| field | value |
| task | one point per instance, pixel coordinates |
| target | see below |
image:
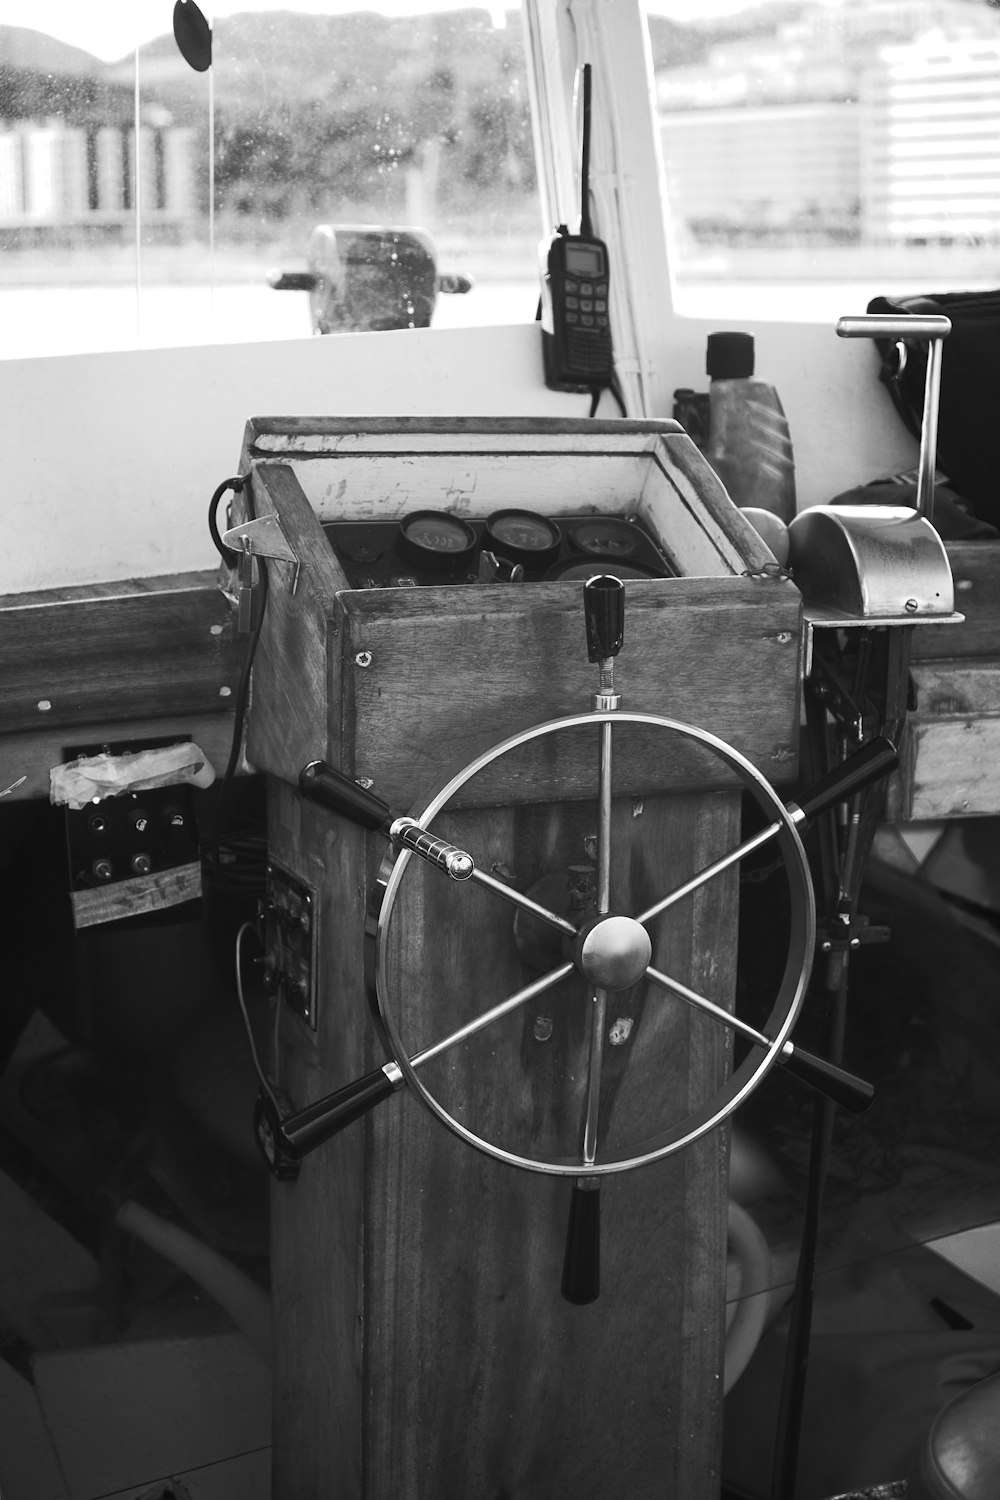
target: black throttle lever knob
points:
(604, 612)
(875, 759)
(338, 793)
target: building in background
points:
(932, 147)
(58, 176)
(866, 122)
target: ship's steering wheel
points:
(611, 951)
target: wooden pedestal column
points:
(423, 1348)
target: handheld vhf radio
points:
(576, 329)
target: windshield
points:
(330, 118)
(821, 153)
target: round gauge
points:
(605, 536)
(585, 570)
(523, 537)
(436, 540)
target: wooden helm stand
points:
(550, 944)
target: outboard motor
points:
(363, 278)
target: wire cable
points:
(244, 872)
(241, 998)
(236, 484)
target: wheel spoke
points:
(604, 824)
(594, 1076)
(701, 1002)
(595, 1059)
(519, 998)
(710, 871)
(507, 893)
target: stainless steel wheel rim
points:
(784, 1013)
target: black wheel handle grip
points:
(295, 1135)
(872, 761)
(338, 793)
(844, 1088)
(604, 615)
(581, 1278)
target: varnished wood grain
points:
(466, 1371)
(115, 652)
(447, 672)
(319, 1234)
(424, 1349)
(296, 673)
(975, 568)
(957, 688)
(951, 753)
(117, 588)
(395, 684)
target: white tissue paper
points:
(91, 778)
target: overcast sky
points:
(110, 28)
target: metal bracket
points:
(859, 715)
(263, 537)
(290, 943)
(838, 936)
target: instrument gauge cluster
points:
(428, 547)
(435, 540)
(523, 537)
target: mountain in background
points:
(41, 77)
(259, 57)
(356, 49)
(23, 48)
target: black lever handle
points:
(581, 1279)
(844, 1088)
(295, 1135)
(877, 758)
(338, 793)
(604, 613)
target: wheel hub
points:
(613, 952)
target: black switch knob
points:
(139, 819)
(604, 611)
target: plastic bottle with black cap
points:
(749, 445)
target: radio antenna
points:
(586, 229)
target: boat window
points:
(820, 154)
(381, 153)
